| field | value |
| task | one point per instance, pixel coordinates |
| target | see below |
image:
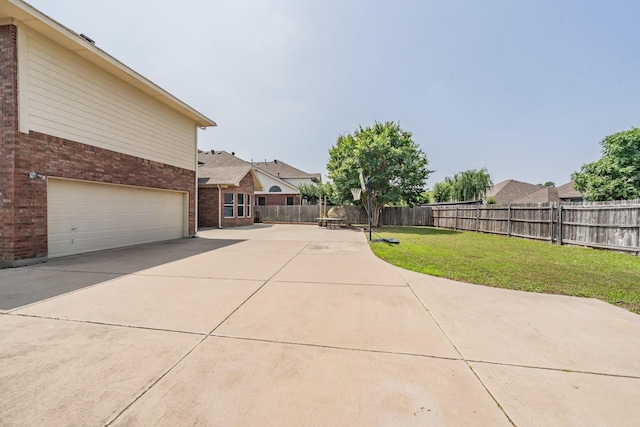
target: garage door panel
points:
(85, 217)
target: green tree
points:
(442, 192)
(386, 154)
(309, 192)
(314, 193)
(471, 184)
(616, 175)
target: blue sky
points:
(524, 88)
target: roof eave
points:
(33, 18)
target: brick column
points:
(8, 130)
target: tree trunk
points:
(376, 209)
(375, 214)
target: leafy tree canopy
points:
(471, 184)
(442, 191)
(314, 193)
(395, 165)
(616, 175)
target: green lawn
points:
(515, 263)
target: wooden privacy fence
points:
(351, 214)
(295, 213)
(419, 215)
(606, 225)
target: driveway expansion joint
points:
(374, 285)
(475, 374)
(258, 290)
(333, 347)
(92, 322)
(546, 368)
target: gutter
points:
(219, 207)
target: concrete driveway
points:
(296, 325)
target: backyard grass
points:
(514, 263)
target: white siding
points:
(71, 98)
(267, 182)
(297, 181)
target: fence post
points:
(638, 253)
(456, 227)
(551, 222)
(509, 221)
(477, 218)
(560, 225)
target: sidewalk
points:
(297, 325)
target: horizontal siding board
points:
(69, 73)
(72, 127)
(100, 111)
(71, 98)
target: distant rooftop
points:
(276, 168)
(213, 158)
(512, 191)
(282, 170)
(509, 191)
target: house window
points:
(289, 200)
(248, 205)
(240, 205)
(275, 189)
(228, 205)
(262, 201)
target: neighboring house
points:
(280, 182)
(543, 195)
(510, 190)
(226, 186)
(567, 193)
(92, 155)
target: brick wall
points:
(208, 204)
(8, 129)
(23, 208)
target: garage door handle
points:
(73, 228)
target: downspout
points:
(195, 194)
(219, 207)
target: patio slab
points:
(378, 318)
(329, 247)
(170, 303)
(26, 285)
(267, 246)
(540, 330)
(70, 373)
(315, 331)
(534, 397)
(285, 232)
(136, 258)
(224, 265)
(234, 382)
(352, 269)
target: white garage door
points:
(85, 217)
